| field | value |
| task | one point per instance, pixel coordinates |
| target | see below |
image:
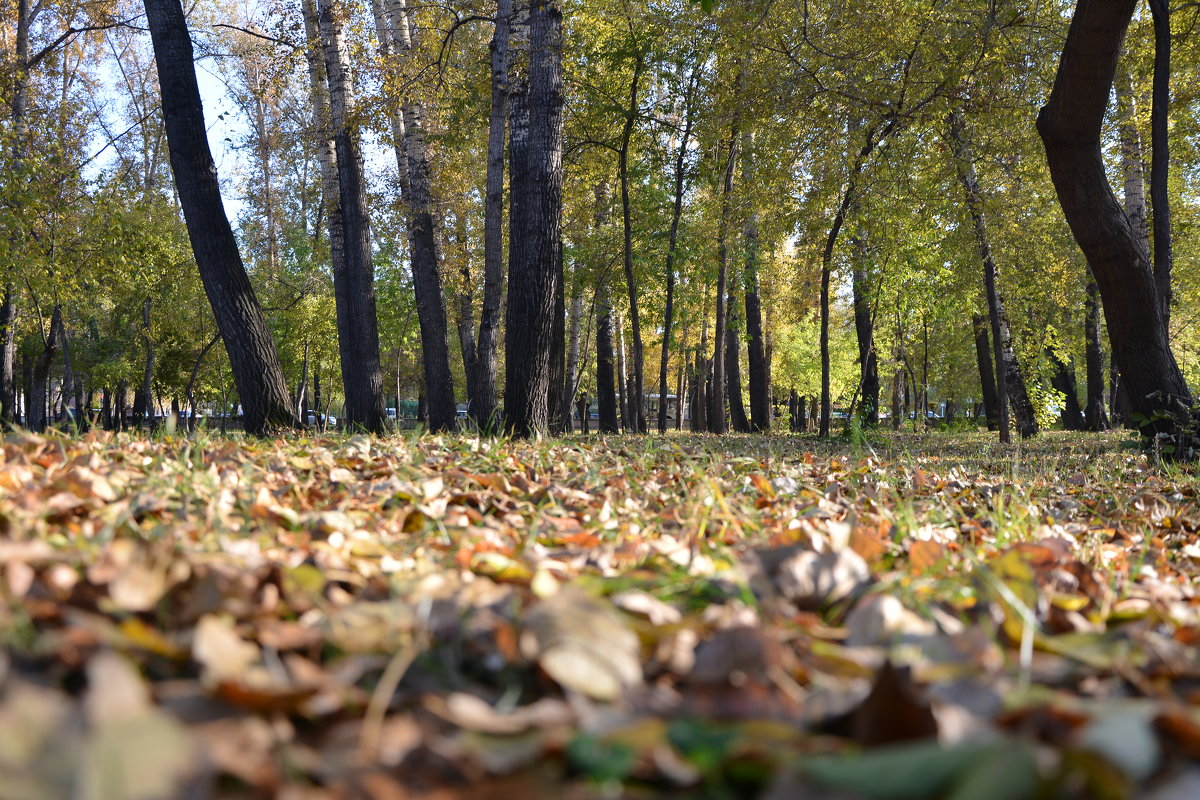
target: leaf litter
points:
(690, 616)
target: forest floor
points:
(930, 616)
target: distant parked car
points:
(391, 413)
(317, 418)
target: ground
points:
(897, 616)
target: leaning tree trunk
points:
(483, 403)
(354, 284)
(1094, 417)
(424, 255)
(1010, 384)
(716, 395)
(1070, 128)
(672, 244)
(252, 354)
(987, 378)
(535, 222)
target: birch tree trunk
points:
(483, 403)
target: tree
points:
(535, 219)
(1070, 127)
(253, 357)
(354, 283)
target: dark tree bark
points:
(148, 371)
(874, 136)
(424, 254)
(987, 378)
(1063, 380)
(252, 354)
(558, 407)
(606, 392)
(716, 394)
(1010, 384)
(758, 373)
(672, 244)
(622, 375)
(1094, 417)
(354, 284)
(1160, 156)
(483, 403)
(635, 401)
(1070, 126)
(36, 412)
(190, 392)
(8, 349)
(466, 314)
(864, 328)
(733, 370)
(535, 220)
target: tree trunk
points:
(672, 245)
(635, 402)
(733, 370)
(535, 220)
(1069, 126)
(354, 285)
(716, 394)
(839, 219)
(987, 378)
(483, 403)
(252, 354)
(190, 392)
(573, 336)
(424, 255)
(1010, 385)
(148, 371)
(622, 377)
(1094, 417)
(36, 412)
(466, 315)
(8, 349)
(864, 328)
(1063, 381)
(8, 309)
(1160, 157)
(760, 391)
(559, 416)
(606, 392)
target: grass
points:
(561, 616)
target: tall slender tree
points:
(253, 358)
(535, 219)
(354, 284)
